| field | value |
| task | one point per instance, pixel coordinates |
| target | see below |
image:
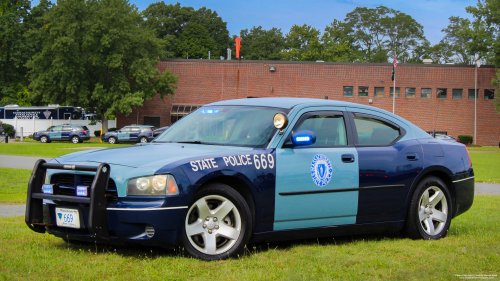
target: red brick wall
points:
(202, 81)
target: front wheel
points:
(430, 212)
(112, 140)
(218, 224)
(75, 139)
(44, 139)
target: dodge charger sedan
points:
(241, 171)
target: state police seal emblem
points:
(321, 170)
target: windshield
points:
(225, 125)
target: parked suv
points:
(132, 133)
(73, 133)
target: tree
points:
(170, 21)
(303, 44)
(338, 46)
(261, 44)
(366, 28)
(488, 12)
(13, 50)
(382, 32)
(195, 41)
(94, 54)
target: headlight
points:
(160, 185)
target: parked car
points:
(159, 131)
(445, 138)
(251, 170)
(133, 133)
(66, 132)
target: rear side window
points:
(66, 128)
(375, 131)
(329, 129)
(147, 129)
(81, 128)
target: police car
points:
(66, 132)
(241, 171)
(134, 133)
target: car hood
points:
(154, 155)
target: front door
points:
(124, 134)
(317, 185)
(55, 133)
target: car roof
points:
(285, 102)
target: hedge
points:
(9, 130)
(465, 139)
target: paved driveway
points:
(19, 162)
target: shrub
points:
(112, 129)
(97, 133)
(465, 139)
(9, 130)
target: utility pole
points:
(478, 64)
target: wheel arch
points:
(437, 171)
(239, 185)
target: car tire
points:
(143, 140)
(75, 139)
(430, 212)
(112, 140)
(218, 224)
(44, 139)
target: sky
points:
(432, 14)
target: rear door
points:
(389, 161)
(66, 132)
(316, 185)
(134, 133)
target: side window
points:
(66, 128)
(57, 128)
(125, 130)
(375, 131)
(136, 129)
(329, 129)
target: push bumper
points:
(126, 221)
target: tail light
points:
(470, 161)
(456, 140)
(84, 132)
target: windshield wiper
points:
(200, 142)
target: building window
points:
(180, 110)
(363, 91)
(457, 94)
(379, 92)
(426, 93)
(489, 94)
(392, 91)
(348, 91)
(441, 93)
(153, 121)
(471, 93)
(410, 93)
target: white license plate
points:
(67, 217)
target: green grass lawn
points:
(486, 166)
(13, 185)
(49, 150)
(471, 247)
(484, 148)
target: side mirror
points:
(303, 137)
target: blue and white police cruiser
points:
(250, 170)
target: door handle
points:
(411, 156)
(347, 158)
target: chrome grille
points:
(67, 184)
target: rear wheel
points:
(75, 139)
(112, 140)
(144, 140)
(431, 209)
(218, 224)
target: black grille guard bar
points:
(98, 216)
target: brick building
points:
(432, 96)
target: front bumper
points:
(117, 222)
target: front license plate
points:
(67, 217)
